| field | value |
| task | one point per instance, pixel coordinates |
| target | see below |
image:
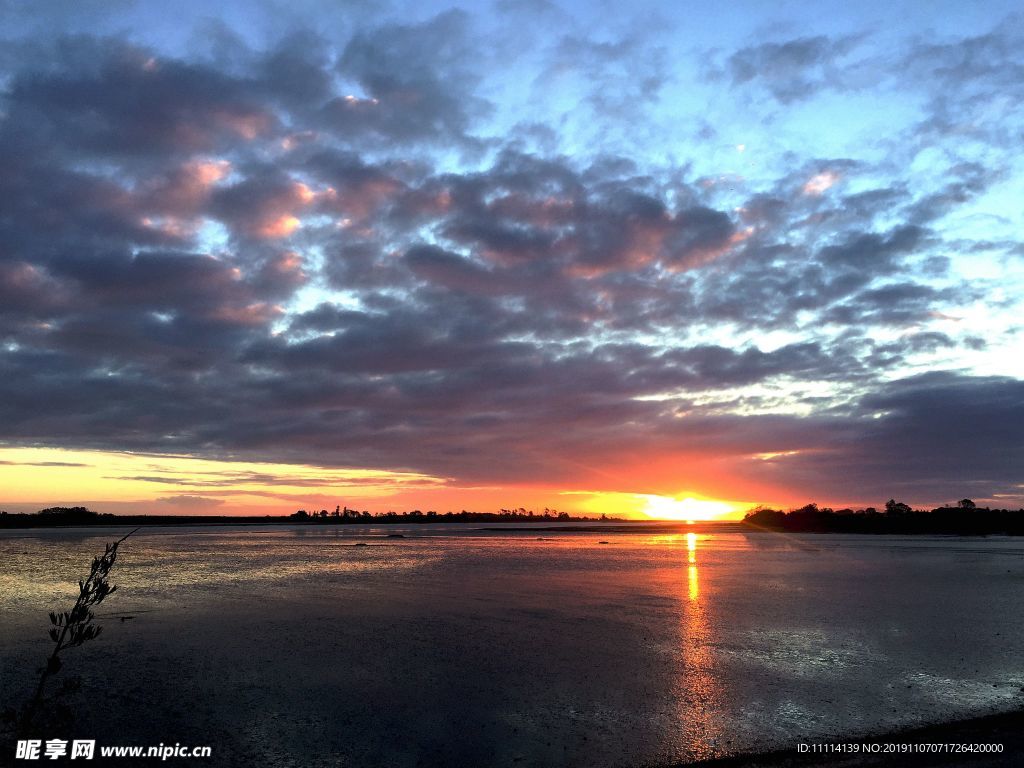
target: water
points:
(291, 646)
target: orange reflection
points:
(691, 548)
(700, 692)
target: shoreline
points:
(612, 526)
(1006, 728)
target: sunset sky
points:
(599, 257)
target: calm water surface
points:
(293, 646)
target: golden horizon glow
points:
(187, 484)
(150, 483)
(691, 507)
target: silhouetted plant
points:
(893, 507)
(70, 629)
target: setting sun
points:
(690, 509)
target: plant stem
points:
(52, 663)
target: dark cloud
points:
(29, 291)
(970, 86)
(263, 206)
(625, 74)
(933, 437)
(897, 304)
(453, 272)
(297, 71)
(113, 99)
(795, 69)
(410, 83)
(974, 84)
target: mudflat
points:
(284, 647)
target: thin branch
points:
(73, 628)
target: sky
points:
(644, 258)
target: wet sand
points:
(299, 648)
(1006, 729)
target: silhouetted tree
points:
(893, 507)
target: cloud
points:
(412, 82)
(42, 464)
(625, 74)
(793, 70)
(322, 251)
(110, 98)
(190, 502)
(968, 87)
(263, 206)
(820, 183)
(934, 437)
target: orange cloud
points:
(820, 183)
(282, 226)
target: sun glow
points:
(689, 509)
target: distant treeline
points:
(78, 516)
(81, 516)
(520, 515)
(965, 519)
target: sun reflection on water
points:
(691, 549)
(700, 694)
